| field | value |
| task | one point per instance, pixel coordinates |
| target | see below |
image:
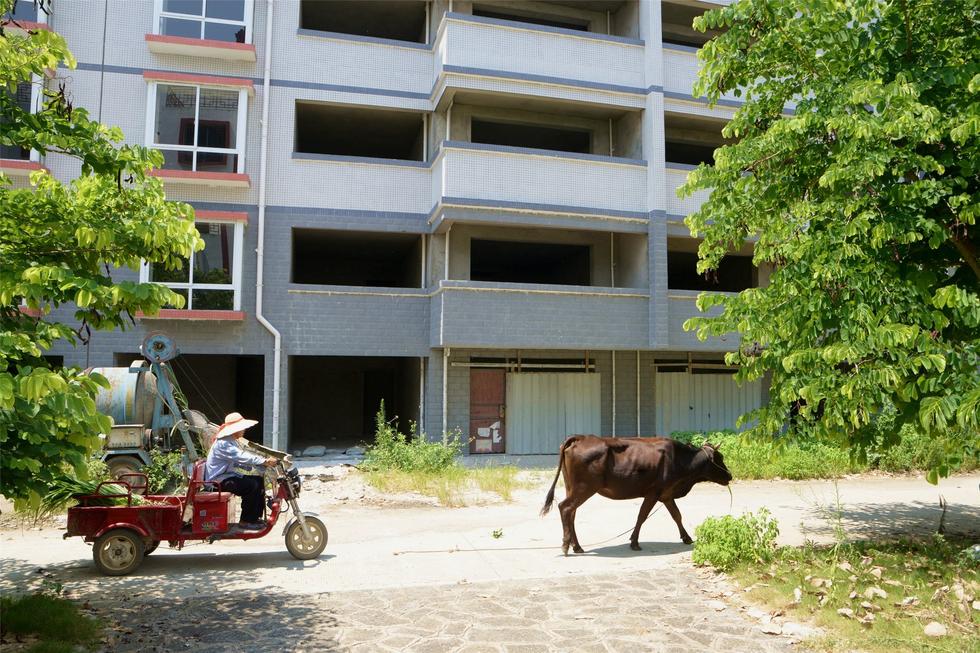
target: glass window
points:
(23, 99)
(197, 128)
(210, 283)
(220, 20)
(24, 10)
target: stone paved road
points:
(643, 611)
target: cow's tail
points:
(550, 499)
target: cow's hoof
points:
(564, 549)
(687, 540)
(635, 546)
(577, 549)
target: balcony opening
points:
(356, 131)
(218, 384)
(531, 136)
(25, 10)
(354, 258)
(534, 18)
(617, 17)
(399, 20)
(333, 399)
(736, 272)
(22, 96)
(677, 25)
(692, 140)
(524, 262)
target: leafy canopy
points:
(863, 202)
(58, 244)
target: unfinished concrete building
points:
(467, 210)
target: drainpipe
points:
(614, 393)
(445, 394)
(260, 249)
(637, 392)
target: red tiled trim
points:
(26, 25)
(221, 216)
(202, 176)
(183, 314)
(204, 43)
(32, 312)
(19, 164)
(189, 78)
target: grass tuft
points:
(55, 621)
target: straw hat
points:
(234, 423)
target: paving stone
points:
(665, 612)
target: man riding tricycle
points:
(125, 533)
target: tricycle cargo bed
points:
(157, 521)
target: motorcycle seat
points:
(212, 497)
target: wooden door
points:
(487, 392)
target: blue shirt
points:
(225, 455)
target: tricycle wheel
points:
(118, 552)
(121, 465)
(303, 548)
(149, 546)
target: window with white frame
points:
(197, 128)
(214, 281)
(218, 20)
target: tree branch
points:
(967, 251)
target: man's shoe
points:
(251, 525)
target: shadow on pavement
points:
(162, 575)
(893, 519)
(242, 621)
(649, 549)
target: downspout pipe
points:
(260, 248)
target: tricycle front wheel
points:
(302, 547)
(118, 552)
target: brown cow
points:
(657, 469)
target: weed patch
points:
(56, 622)
(723, 542)
(875, 596)
(397, 462)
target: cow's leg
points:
(567, 509)
(645, 508)
(676, 514)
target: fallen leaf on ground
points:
(845, 566)
(876, 572)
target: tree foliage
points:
(58, 245)
(862, 199)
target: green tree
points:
(863, 199)
(58, 245)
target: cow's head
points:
(714, 467)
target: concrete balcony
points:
(541, 181)
(681, 305)
(674, 177)
(483, 314)
(557, 62)
(353, 183)
(681, 71)
(362, 320)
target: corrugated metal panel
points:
(543, 409)
(702, 402)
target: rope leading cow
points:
(657, 469)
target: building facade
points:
(465, 209)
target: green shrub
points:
(917, 451)
(759, 459)
(164, 472)
(56, 621)
(393, 450)
(724, 542)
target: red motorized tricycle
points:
(124, 534)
